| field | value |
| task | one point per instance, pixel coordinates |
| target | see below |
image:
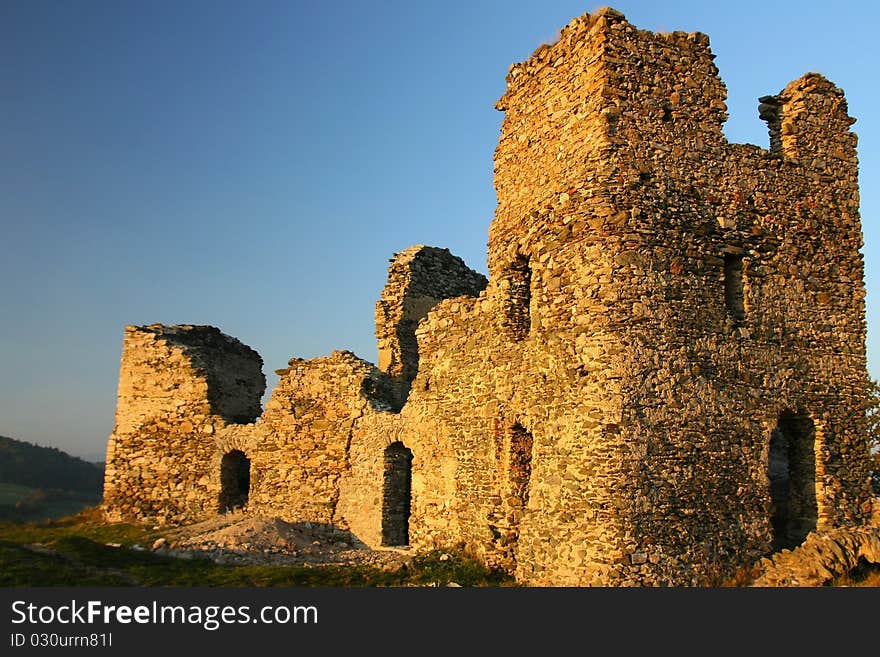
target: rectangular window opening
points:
(733, 286)
(519, 299)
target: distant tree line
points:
(41, 504)
(47, 468)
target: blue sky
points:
(253, 165)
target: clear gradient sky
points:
(253, 165)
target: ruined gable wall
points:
(307, 429)
(418, 278)
(179, 387)
(330, 419)
(482, 388)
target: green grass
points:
(86, 524)
(74, 552)
(11, 494)
(23, 504)
(64, 508)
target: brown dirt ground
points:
(240, 538)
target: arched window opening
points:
(791, 470)
(235, 480)
(396, 495)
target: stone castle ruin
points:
(662, 380)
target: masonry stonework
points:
(418, 278)
(662, 381)
(180, 389)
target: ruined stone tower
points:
(663, 379)
(179, 388)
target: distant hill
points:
(33, 466)
(37, 483)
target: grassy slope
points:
(37, 483)
(25, 504)
(74, 552)
(35, 466)
(11, 494)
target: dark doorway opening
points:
(396, 494)
(235, 480)
(791, 469)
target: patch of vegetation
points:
(79, 551)
(34, 466)
(33, 505)
(37, 483)
(88, 524)
(443, 567)
(11, 494)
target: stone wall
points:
(663, 380)
(821, 558)
(306, 433)
(694, 269)
(183, 390)
(418, 278)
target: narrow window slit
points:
(734, 299)
(517, 316)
